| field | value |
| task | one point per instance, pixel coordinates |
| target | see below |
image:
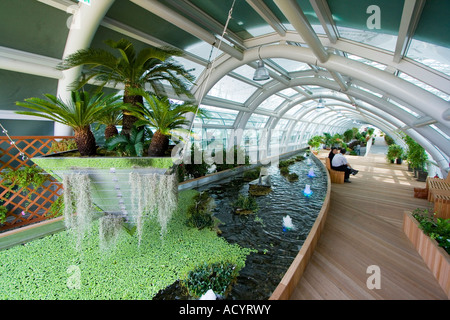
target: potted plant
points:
(150, 66)
(417, 158)
(395, 152)
(348, 135)
(315, 142)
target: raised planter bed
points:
(436, 258)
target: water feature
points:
(277, 245)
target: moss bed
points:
(49, 163)
(44, 268)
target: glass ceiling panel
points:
(404, 108)
(282, 124)
(203, 50)
(419, 83)
(245, 71)
(368, 62)
(378, 40)
(294, 110)
(372, 22)
(289, 92)
(197, 69)
(257, 121)
(291, 65)
(218, 116)
(271, 103)
(232, 89)
(433, 56)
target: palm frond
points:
(83, 109)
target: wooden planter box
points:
(435, 257)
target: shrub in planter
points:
(435, 228)
(394, 152)
(217, 276)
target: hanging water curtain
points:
(133, 197)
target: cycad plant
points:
(151, 66)
(129, 146)
(165, 116)
(82, 110)
(111, 120)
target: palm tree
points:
(111, 119)
(165, 116)
(151, 66)
(79, 113)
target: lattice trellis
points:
(30, 206)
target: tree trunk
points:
(127, 119)
(85, 140)
(158, 145)
(110, 131)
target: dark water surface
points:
(263, 231)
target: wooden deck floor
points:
(364, 228)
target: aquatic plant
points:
(245, 205)
(38, 269)
(109, 229)
(217, 276)
(199, 214)
(153, 195)
(78, 207)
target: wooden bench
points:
(335, 176)
(437, 186)
(442, 206)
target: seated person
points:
(340, 163)
(333, 151)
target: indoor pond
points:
(264, 230)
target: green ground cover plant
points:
(435, 228)
(52, 268)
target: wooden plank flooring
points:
(363, 228)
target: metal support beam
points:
(412, 10)
(88, 19)
(326, 20)
(196, 15)
(30, 63)
(263, 10)
(297, 18)
(185, 24)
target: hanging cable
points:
(13, 143)
(210, 68)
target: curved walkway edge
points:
(362, 233)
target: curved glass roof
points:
(379, 62)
